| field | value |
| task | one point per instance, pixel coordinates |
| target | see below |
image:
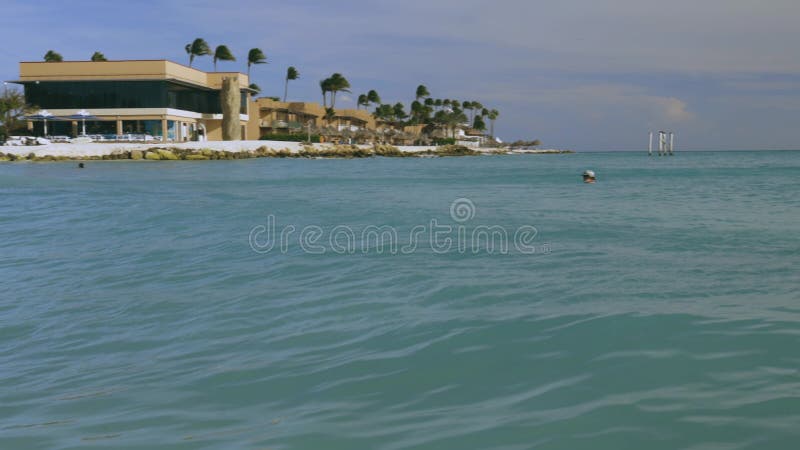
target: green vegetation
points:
(222, 53)
(493, 114)
(444, 141)
(198, 47)
(255, 56)
(98, 57)
(12, 109)
(373, 97)
(422, 92)
(291, 74)
(333, 84)
(52, 56)
(362, 101)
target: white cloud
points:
(673, 109)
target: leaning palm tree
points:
(373, 97)
(222, 53)
(291, 74)
(52, 56)
(198, 47)
(363, 100)
(422, 92)
(325, 87)
(493, 114)
(98, 57)
(255, 56)
(338, 83)
(475, 106)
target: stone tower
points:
(231, 100)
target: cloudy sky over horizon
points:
(581, 74)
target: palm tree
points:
(474, 106)
(478, 123)
(52, 56)
(373, 97)
(325, 87)
(416, 111)
(291, 74)
(222, 53)
(12, 108)
(363, 100)
(398, 111)
(338, 83)
(492, 117)
(255, 56)
(422, 92)
(198, 47)
(98, 57)
(255, 87)
(466, 105)
(384, 112)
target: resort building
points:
(271, 116)
(148, 97)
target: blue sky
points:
(580, 74)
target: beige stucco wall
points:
(253, 131)
(124, 70)
(213, 130)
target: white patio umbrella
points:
(82, 115)
(41, 115)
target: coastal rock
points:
(136, 154)
(196, 157)
(152, 156)
(167, 155)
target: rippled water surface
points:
(660, 309)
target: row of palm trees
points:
(199, 47)
(53, 56)
(438, 113)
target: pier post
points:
(671, 143)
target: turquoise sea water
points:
(660, 308)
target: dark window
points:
(123, 94)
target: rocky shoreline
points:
(175, 153)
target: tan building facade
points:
(269, 116)
(152, 97)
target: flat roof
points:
(129, 70)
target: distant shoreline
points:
(226, 150)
